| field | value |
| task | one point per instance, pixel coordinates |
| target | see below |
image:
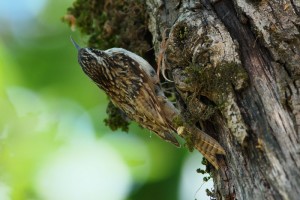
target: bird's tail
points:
(206, 145)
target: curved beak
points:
(75, 44)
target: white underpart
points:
(144, 65)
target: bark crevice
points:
(235, 67)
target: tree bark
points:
(236, 67)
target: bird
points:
(133, 86)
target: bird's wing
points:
(140, 99)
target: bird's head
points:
(93, 62)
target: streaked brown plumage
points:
(133, 86)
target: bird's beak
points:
(75, 44)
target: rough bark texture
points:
(238, 62)
(235, 67)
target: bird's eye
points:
(152, 73)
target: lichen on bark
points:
(277, 25)
(207, 69)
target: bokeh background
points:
(53, 141)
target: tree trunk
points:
(236, 66)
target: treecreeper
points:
(133, 86)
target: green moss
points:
(189, 142)
(118, 23)
(207, 112)
(208, 168)
(208, 176)
(198, 109)
(177, 121)
(204, 172)
(211, 194)
(216, 82)
(117, 119)
(181, 33)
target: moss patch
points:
(189, 141)
(178, 121)
(118, 23)
(181, 33)
(116, 119)
(177, 52)
(207, 171)
(199, 108)
(216, 82)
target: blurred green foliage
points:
(113, 23)
(46, 101)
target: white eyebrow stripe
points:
(98, 58)
(90, 52)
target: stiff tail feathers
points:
(205, 144)
(209, 147)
